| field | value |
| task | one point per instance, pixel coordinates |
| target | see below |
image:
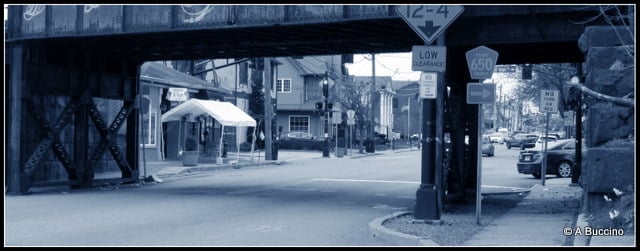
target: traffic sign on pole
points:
(481, 61)
(429, 58)
(479, 93)
(429, 21)
(428, 85)
(549, 101)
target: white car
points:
(497, 138)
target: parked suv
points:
(521, 140)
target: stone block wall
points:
(610, 68)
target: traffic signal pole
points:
(325, 93)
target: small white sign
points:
(549, 101)
(351, 114)
(429, 58)
(428, 85)
(336, 118)
(177, 94)
(351, 121)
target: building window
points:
(283, 85)
(298, 123)
(395, 102)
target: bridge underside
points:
(542, 38)
(86, 69)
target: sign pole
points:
(479, 169)
(544, 154)
(548, 104)
(429, 21)
(481, 62)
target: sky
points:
(394, 65)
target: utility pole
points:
(268, 110)
(373, 91)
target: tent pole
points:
(219, 159)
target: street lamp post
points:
(325, 93)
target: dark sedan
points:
(521, 140)
(561, 155)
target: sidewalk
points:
(159, 170)
(538, 220)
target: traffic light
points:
(526, 71)
(318, 105)
(325, 87)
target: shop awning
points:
(225, 113)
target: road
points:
(304, 202)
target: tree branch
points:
(619, 101)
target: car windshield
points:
(555, 145)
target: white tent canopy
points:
(225, 113)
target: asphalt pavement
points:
(548, 216)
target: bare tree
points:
(355, 96)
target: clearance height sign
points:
(429, 58)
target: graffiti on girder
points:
(89, 7)
(195, 13)
(32, 10)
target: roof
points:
(161, 74)
(316, 65)
(225, 113)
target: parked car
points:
(549, 139)
(497, 137)
(560, 158)
(487, 146)
(521, 140)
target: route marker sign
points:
(428, 58)
(429, 21)
(481, 61)
(549, 101)
(428, 85)
(480, 93)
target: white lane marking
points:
(375, 181)
(405, 182)
(387, 207)
(512, 188)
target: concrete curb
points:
(167, 172)
(379, 231)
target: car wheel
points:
(564, 169)
(536, 175)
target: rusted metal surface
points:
(51, 139)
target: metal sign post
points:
(548, 104)
(429, 22)
(481, 61)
